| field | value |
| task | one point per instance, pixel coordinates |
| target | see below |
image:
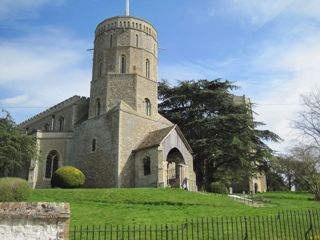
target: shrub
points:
(218, 187)
(67, 177)
(14, 190)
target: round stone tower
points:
(125, 66)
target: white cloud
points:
(258, 13)
(11, 9)
(295, 71)
(42, 70)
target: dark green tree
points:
(15, 146)
(223, 134)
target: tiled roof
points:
(154, 138)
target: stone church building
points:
(116, 137)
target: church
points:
(116, 137)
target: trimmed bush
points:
(14, 190)
(218, 187)
(67, 177)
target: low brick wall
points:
(28, 221)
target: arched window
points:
(147, 107)
(146, 166)
(123, 64)
(98, 107)
(53, 122)
(147, 68)
(61, 124)
(100, 66)
(111, 40)
(94, 145)
(137, 40)
(52, 163)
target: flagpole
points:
(127, 8)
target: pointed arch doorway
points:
(175, 169)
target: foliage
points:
(219, 187)
(275, 181)
(308, 170)
(14, 190)
(15, 146)
(223, 134)
(159, 206)
(67, 177)
(283, 169)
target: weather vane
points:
(127, 8)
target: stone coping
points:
(39, 210)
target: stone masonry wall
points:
(100, 166)
(31, 221)
(133, 128)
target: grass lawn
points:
(160, 206)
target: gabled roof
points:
(155, 138)
(57, 107)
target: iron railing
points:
(291, 225)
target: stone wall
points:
(61, 142)
(30, 221)
(133, 129)
(99, 165)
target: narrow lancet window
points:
(123, 64)
(137, 40)
(146, 166)
(94, 145)
(148, 68)
(111, 40)
(147, 107)
(61, 124)
(100, 68)
(98, 107)
(53, 122)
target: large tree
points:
(15, 146)
(308, 122)
(223, 134)
(307, 168)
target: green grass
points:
(159, 206)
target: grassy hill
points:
(159, 206)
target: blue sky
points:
(270, 48)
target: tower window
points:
(51, 163)
(146, 166)
(137, 40)
(111, 40)
(147, 68)
(98, 107)
(94, 145)
(123, 64)
(61, 124)
(147, 107)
